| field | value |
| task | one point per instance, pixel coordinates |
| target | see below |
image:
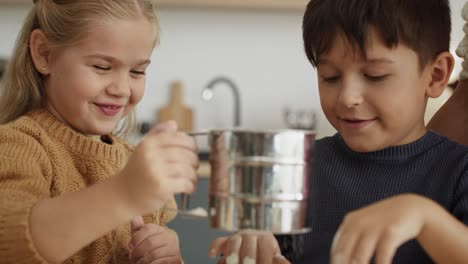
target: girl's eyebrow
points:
(112, 59)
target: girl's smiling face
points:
(95, 83)
(374, 102)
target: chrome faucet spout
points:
(207, 94)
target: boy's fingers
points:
(266, 249)
(216, 245)
(221, 261)
(279, 259)
(248, 248)
(136, 223)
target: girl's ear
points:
(441, 69)
(40, 51)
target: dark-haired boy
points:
(384, 187)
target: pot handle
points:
(185, 209)
(199, 133)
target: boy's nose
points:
(351, 95)
(120, 87)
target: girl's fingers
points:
(168, 126)
(142, 234)
(181, 185)
(181, 156)
(163, 254)
(168, 140)
(184, 171)
(182, 179)
(140, 253)
(175, 139)
(167, 260)
(136, 223)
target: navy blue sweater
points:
(342, 180)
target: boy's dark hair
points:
(422, 25)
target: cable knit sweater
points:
(41, 157)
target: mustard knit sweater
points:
(41, 157)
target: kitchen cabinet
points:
(238, 4)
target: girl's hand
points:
(248, 247)
(379, 229)
(151, 243)
(163, 164)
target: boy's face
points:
(94, 84)
(377, 102)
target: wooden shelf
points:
(237, 4)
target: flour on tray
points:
(197, 212)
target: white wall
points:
(261, 51)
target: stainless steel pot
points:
(259, 179)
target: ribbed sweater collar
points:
(76, 141)
(396, 153)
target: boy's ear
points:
(440, 71)
(40, 51)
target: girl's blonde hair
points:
(64, 22)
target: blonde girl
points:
(68, 186)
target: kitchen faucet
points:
(207, 94)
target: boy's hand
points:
(151, 243)
(379, 229)
(248, 247)
(163, 164)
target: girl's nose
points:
(120, 87)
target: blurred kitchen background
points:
(254, 45)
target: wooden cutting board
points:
(176, 110)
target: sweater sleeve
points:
(460, 209)
(24, 179)
(168, 215)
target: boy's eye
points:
(376, 78)
(331, 79)
(102, 68)
(139, 72)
